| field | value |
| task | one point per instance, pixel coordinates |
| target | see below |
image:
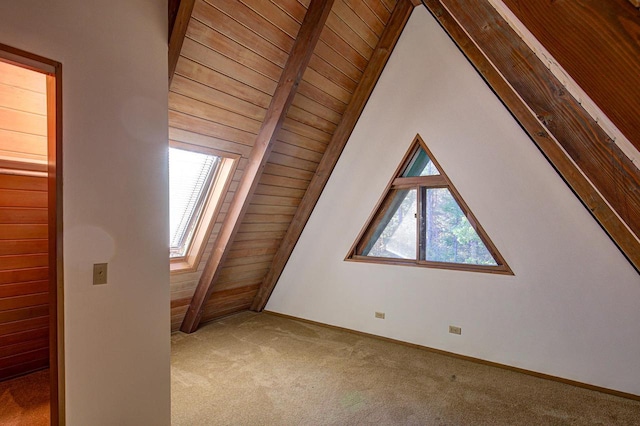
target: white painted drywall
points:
(573, 307)
(114, 56)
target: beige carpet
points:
(25, 400)
(261, 369)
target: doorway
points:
(31, 297)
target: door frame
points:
(53, 70)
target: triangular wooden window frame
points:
(435, 181)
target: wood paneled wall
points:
(230, 63)
(24, 285)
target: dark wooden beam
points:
(178, 29)
(598, 44)
(173, 6)
(605, 180)
(297, 62)
(381, 54)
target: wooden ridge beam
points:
(381, 54)
(299, 58)
(594, 167)
(178, 29)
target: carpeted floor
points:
(25, 400)
(261, 369)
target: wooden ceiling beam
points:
(173, 6)
(179, 16)
(577, 32)
(300, 55)
(381, 54)
(599, 173)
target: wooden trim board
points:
(56, 265)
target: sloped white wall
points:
(114, 56)
(573, 307)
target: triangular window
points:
(422, 220)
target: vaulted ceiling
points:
(282, 83)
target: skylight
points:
(191, 174)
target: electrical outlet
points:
(99, 273)
(380, 315)
(455, 330)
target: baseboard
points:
(468, 358)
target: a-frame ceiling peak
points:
(226, 75)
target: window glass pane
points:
(190, 175)
(449, 235)
(395, 236)
(420, 165)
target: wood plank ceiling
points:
(232, 62)
(228, 70)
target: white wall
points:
(571, 310)
(114, 56)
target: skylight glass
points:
(190, 177)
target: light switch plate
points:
(99, 273)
